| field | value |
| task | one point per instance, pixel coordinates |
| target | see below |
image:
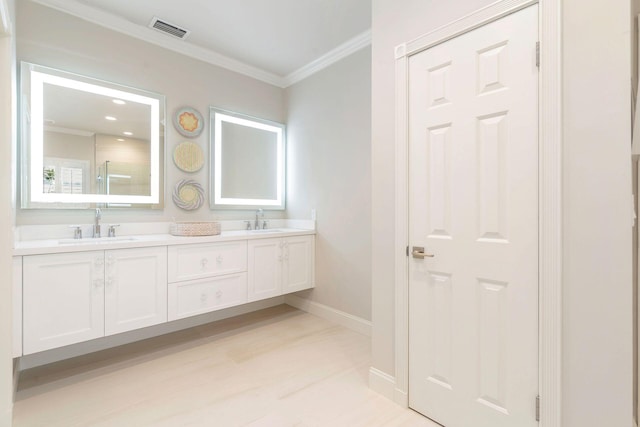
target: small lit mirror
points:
(88, 142)
(247, 162)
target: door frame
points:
(549, 195)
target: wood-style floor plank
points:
(278, 367)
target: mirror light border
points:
(51, 76)
(219, 116)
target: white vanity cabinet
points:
(16, 292)
(265, 268)
(298, 263)
(206, 277)
(74, 297)
(279, 266)
(135, 291)
(69, 294)
(63, 299)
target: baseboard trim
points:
(385, 384)
(347, 320)
(401, 398)
(16, 376)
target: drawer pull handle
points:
(220, 258)
(204, 262)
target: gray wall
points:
(597, 307)
(51, 38)
(329, 149)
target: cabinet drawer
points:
(201, 296)
(190, 262)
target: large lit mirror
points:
(88, 142)
(247, 162)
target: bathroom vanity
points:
(75, 291)
(110, 154)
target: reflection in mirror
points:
(87, 141)
(248, 161)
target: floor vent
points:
(167, 28)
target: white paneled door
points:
(473, 195)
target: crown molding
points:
(351, 46)
(115, 23)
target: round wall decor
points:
(188, 122)
(188, 156)
(188, 195)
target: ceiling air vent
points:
(167, 28)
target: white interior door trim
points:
(550, 196)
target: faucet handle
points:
(248, 227)
(77, 233)
(112, 230)
(264, 224)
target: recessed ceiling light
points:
(110, 118)
(128, 133)
(119, 101)
(120, 139)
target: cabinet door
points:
(17, 306)
(135, 288)
(298, 260)
(265, 268)
(63, 299)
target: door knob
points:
(418, 252)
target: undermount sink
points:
(95, 240)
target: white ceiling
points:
(278, 41)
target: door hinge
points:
(537, 408)
(407, 250)
(538, 54)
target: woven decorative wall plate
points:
(188, 122)
(188, 195)
(188, 156)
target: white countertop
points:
(50, 246)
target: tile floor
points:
(278, 367)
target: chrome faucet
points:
(96, 225)
(259, 215)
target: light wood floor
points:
(278, 367)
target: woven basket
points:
(195, 228)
